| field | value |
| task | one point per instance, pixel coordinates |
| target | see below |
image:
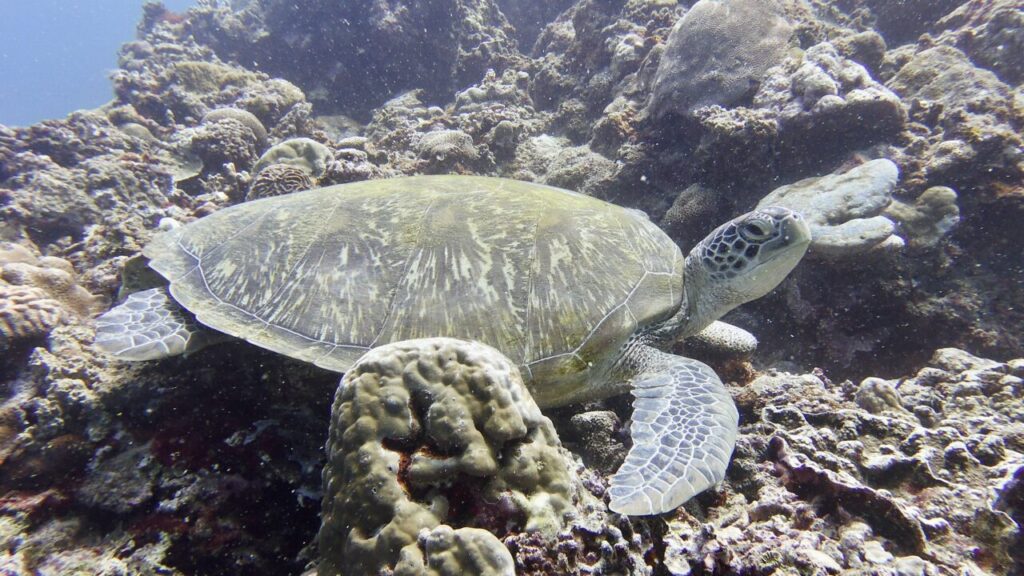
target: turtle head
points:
(740, 261)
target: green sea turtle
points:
(583, 295)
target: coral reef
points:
(825, 477)
(211, 464)
(363, 48)
(987, 31)
(974, 123)
(554, 161)
(428, 433)
(825, 100)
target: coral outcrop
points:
(37, 294)
(438, 435)
(716, 53)
(278, 179)
(305, 154)
(888, 474)
(825, 100)
(368, 51)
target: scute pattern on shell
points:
(538, 273)
(277, 180)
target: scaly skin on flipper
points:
(684, 421)
(149, 325)
(683, 430)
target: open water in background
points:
(55, 54)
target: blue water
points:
(55, 55)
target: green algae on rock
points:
(432, 433)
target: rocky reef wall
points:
(876, 436)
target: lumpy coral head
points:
(436, 450)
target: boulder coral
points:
(245, 117)
(929, 218)
(716, 53)
(446, 150)
(442, 436)
(278, 179)
(224, 141)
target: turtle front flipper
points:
(150, 325)
(684, 430)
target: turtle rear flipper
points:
(149, 325)
(684, 430)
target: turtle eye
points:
(755, 231)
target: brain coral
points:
(716, 53)
(55, 277)
(26, 312)
(305, 153)
(278, 179)
(447, 147)
(435, 432)
(247, 118)
(37, 294)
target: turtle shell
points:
(554, 279)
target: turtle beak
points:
(781, 254)
(795, 231)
